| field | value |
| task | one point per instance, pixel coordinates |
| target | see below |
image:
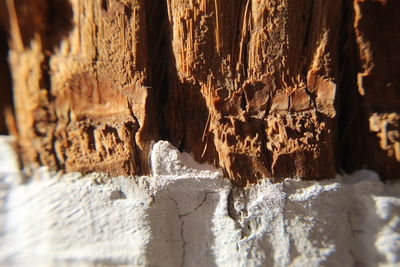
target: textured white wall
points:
(187, 215)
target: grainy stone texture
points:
(187, 215)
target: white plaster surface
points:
(187, 215)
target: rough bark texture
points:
(261, 88)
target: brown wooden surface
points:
(6, 99)
(261, 88)
(377, 29)
(81, 84)
(267, 76)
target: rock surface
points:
(186, 214)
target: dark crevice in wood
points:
(59, 21)
(349, 102)
(104, 5)
(6, 98)
(159, 47)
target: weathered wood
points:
(258, 79)
(377, 29)
(261, 88)
(81, 82)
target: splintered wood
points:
(250, 86)
(266, 71)
(81, 91)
